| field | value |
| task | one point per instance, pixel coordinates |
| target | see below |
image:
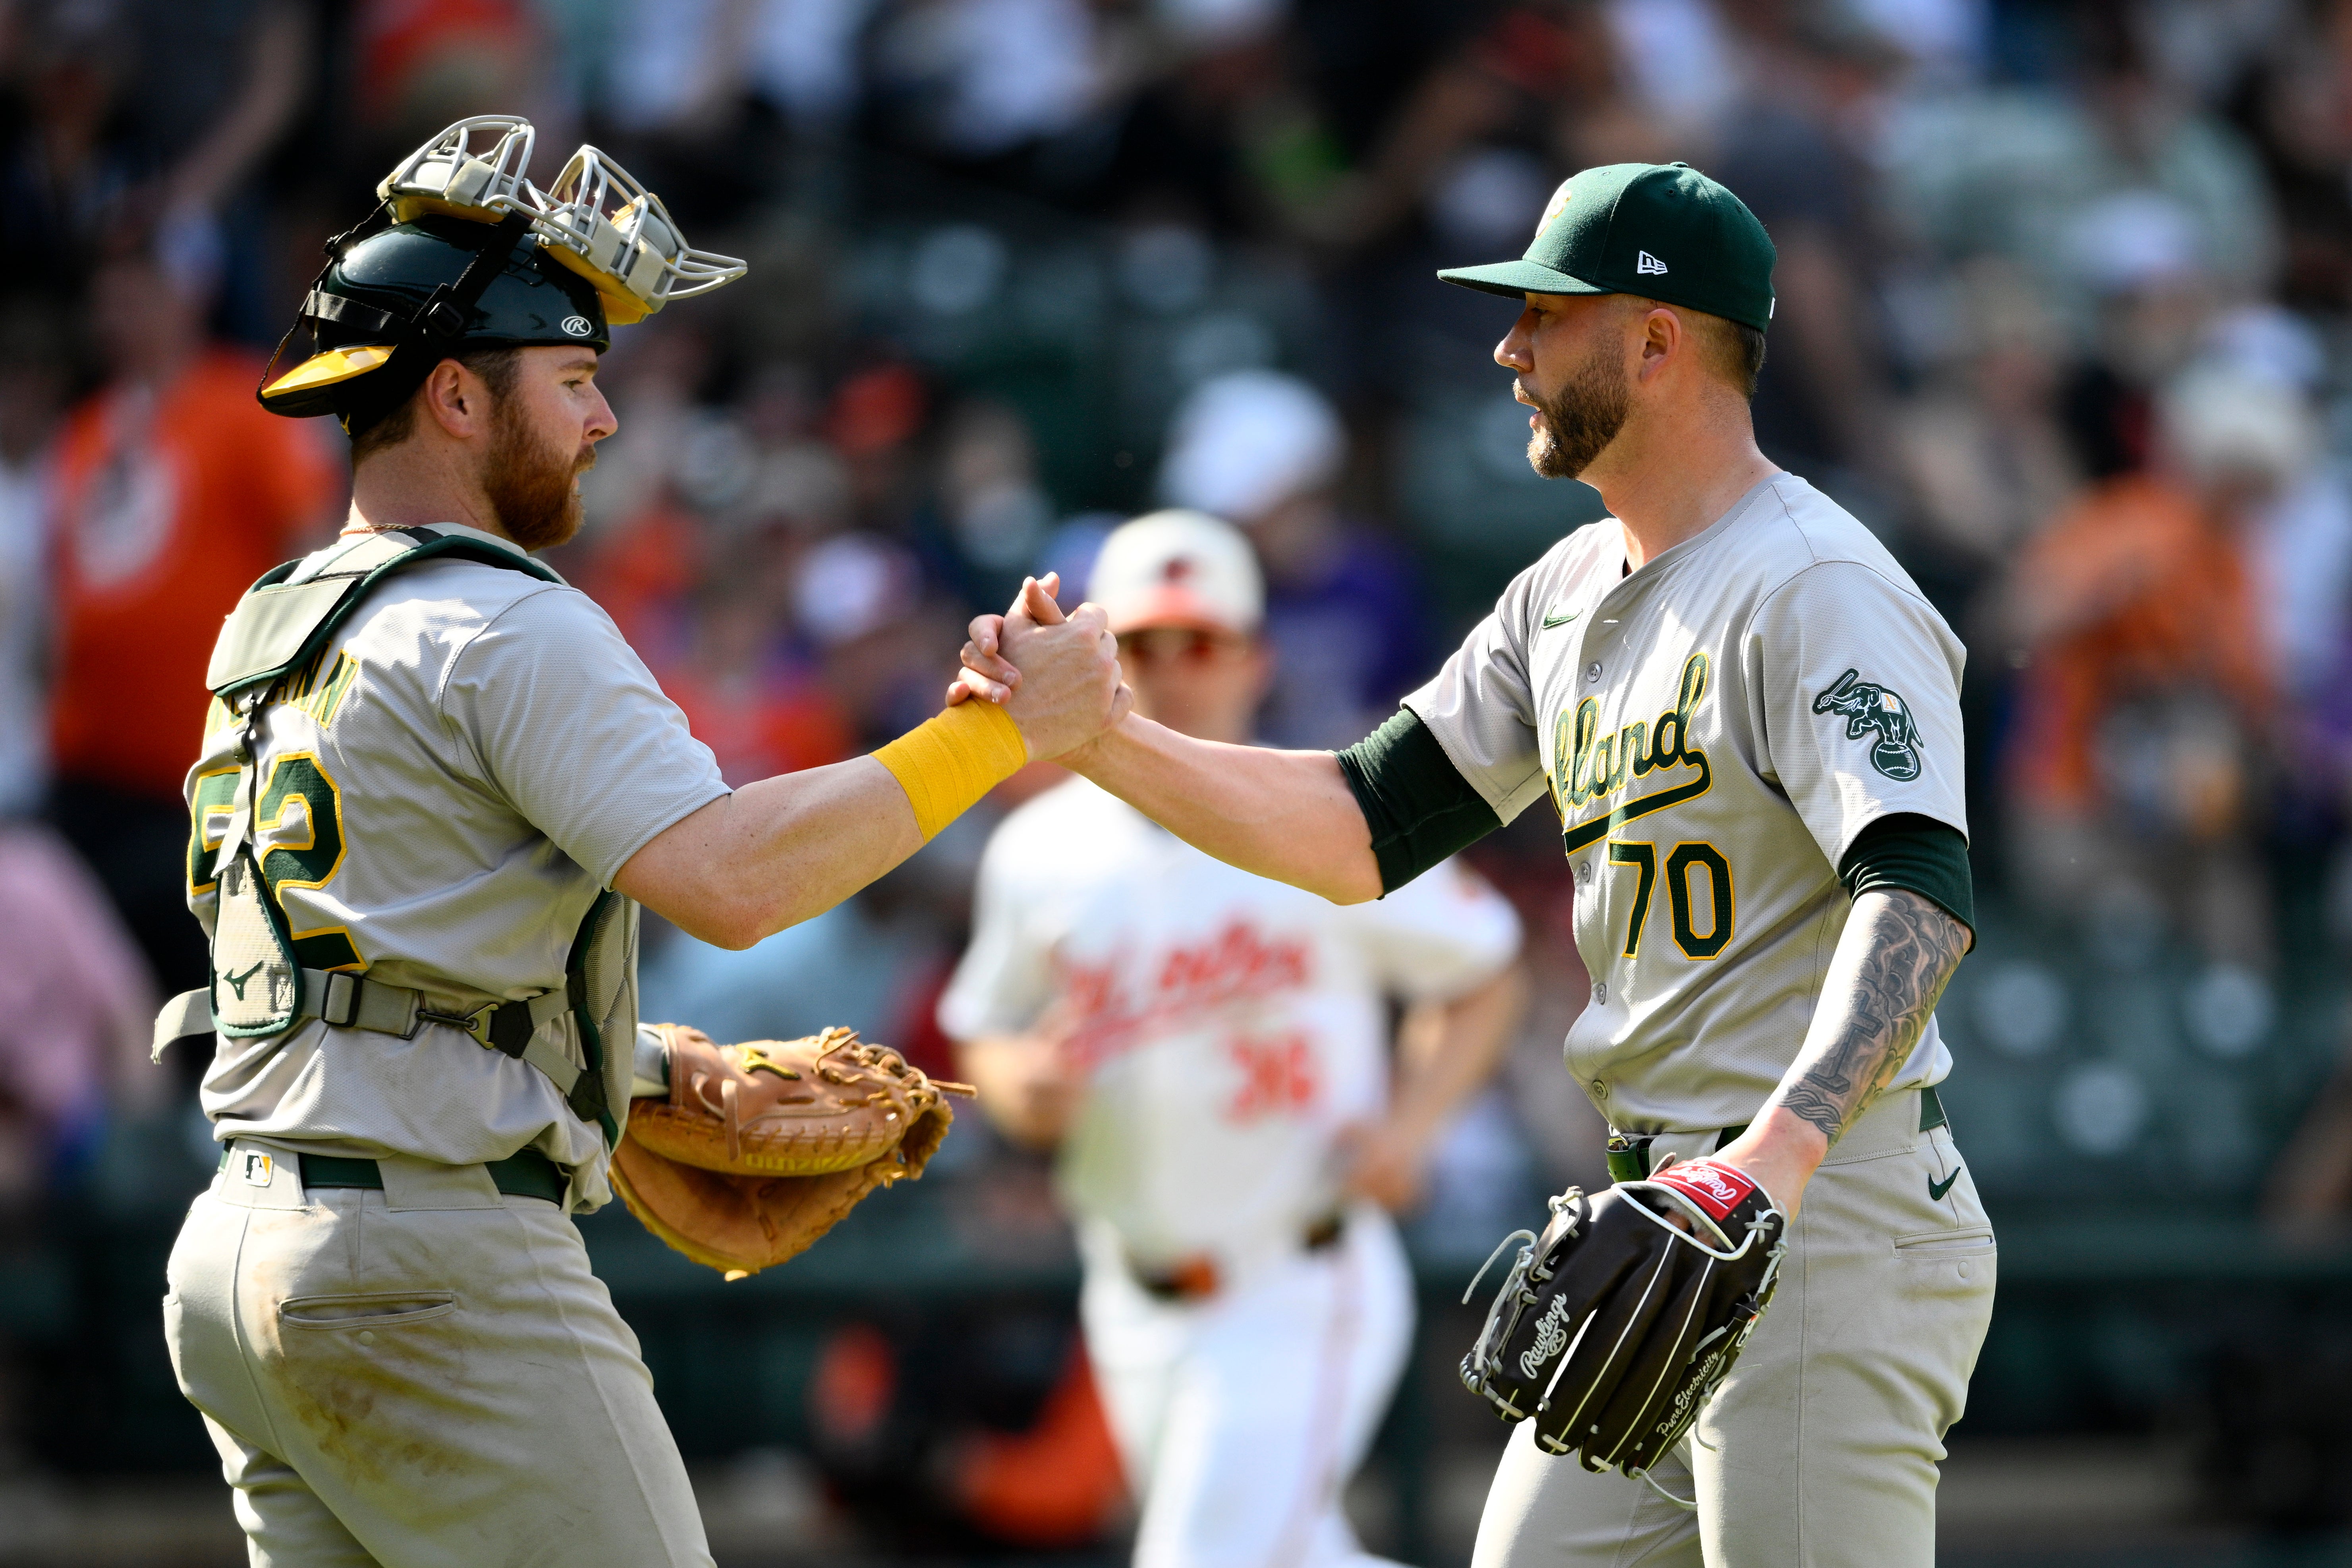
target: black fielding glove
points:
(1615, 1324)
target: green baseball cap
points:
(1664, 231)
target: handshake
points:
(1057, 677)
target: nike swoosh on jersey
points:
(1551, 620)
(1936, 1190)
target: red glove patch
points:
(1715, 1187)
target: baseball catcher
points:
(1615, 1324)
(760, 1149)
(436, 788)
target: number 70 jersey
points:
(1714, 730)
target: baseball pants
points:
(423, 1375)
(1240, 1418)
(1820, 1450)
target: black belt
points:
(1197, 1278)
(1629, 1157)
(526, 1175)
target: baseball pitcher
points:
(435, 787)
(1208, 1049)
(1747, 1351)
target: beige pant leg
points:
(1548, 1511)
(1821, 1449)
(449, 1384)
(285, 1525)
(1828, 1434)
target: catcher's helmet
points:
(463, 253)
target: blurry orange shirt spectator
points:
(643, 571)
(760, 728)
(2133, 591)
(169, 504)
(759, 710)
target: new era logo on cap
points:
(1721, 257)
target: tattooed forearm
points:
(1891, 965)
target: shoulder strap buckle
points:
(340, 1002)
(477, 1023)
(506, 1027)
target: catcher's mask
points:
(463, 252)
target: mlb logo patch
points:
(258, 1167)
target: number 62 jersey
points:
(1715, 730)
(440, 796)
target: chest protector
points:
(580, 1035)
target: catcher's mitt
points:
(762, 1147)
(1615, 1324)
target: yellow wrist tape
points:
(945, 765)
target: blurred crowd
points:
(2068, 287)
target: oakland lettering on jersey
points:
(1589, 767)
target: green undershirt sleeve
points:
(1917, 853)
(1419, 807)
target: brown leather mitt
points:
(762, 1147)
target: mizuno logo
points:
(238, 979)
(1554, 619)
(1647, 263)
(1935, 1190)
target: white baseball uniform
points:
(429, 1372)
(1715, 730)
(1227, 1028)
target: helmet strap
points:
(437, 330)
(334, 248)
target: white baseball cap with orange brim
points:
(1179, 568)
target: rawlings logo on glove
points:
(1551, 1338)
(1615, 1324)
(1718, 1189)
(761, 1148)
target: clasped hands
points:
(1057, 677)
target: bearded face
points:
(1579, 421)
(532, 483)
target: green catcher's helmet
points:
(465, 253)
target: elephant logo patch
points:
(1868, 708)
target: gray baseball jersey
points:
(443, 791)
(1714, 729)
